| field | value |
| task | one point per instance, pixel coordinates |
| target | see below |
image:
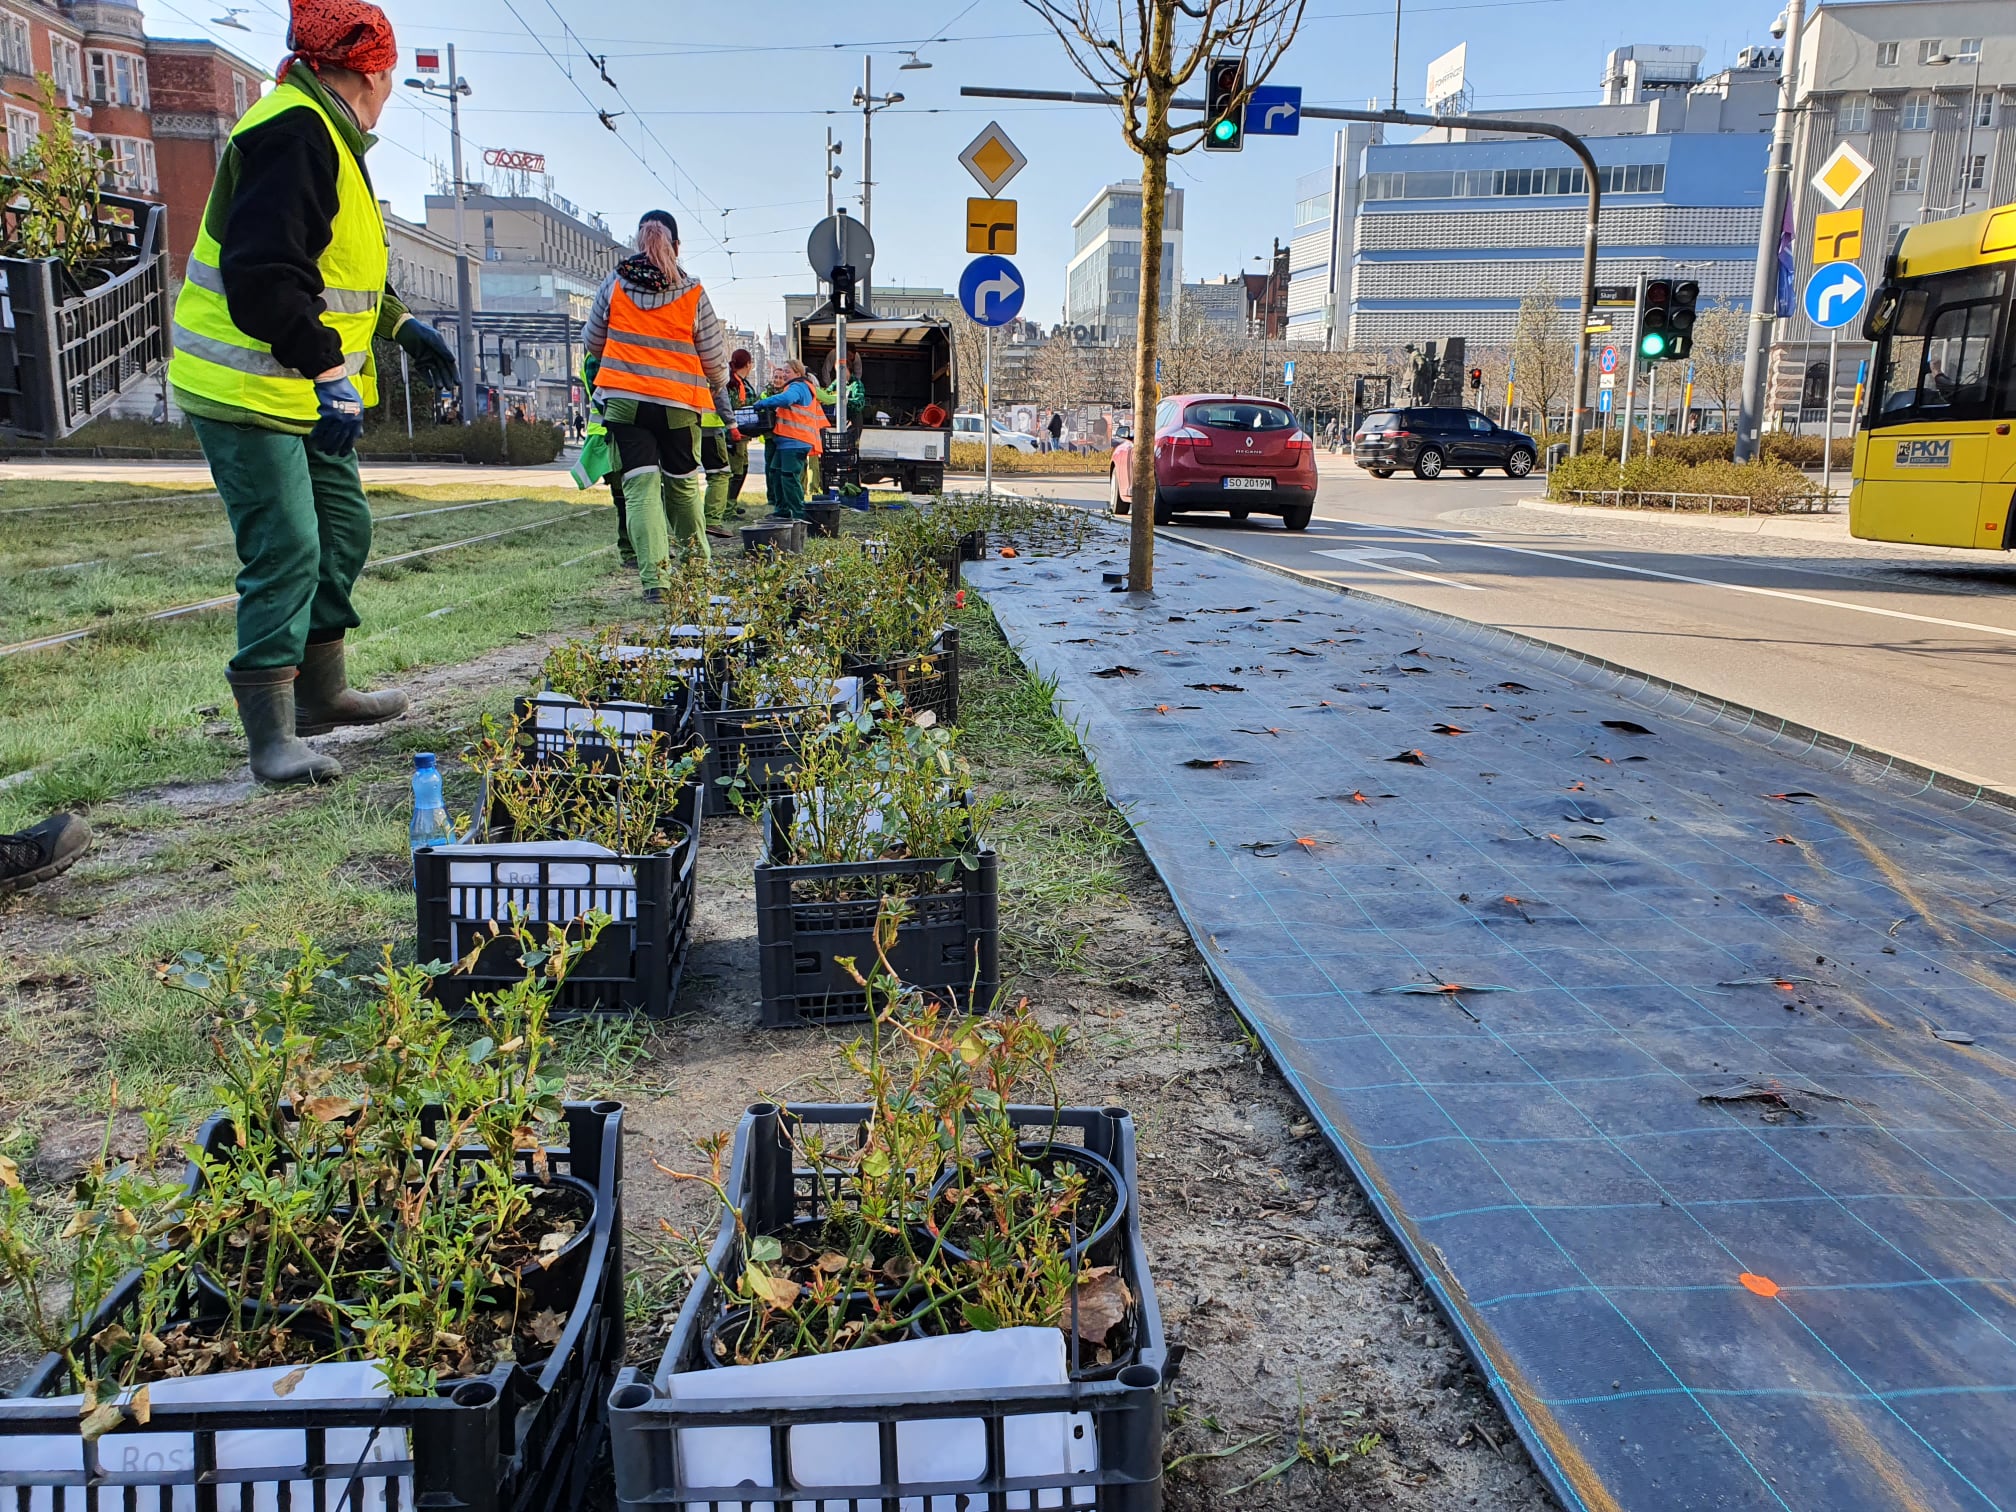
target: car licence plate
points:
(1262, 485)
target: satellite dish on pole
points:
(839, 241)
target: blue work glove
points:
(341, 409)
(431, 355)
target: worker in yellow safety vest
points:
(662, 363)
(283, 294)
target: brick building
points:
(199, 92)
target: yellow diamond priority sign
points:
(992, 159)
(1845, 171)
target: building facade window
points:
(1916, 114)
(1969, 50)
(1909, 174)
(132, 166)
(14, 53)
(1974, 174)
(66, 67)
(22, 131)
(1512, 183)
(1984, 110)
(1928, 49)
(1886, 54)
(238, 96)
(1311, 210)
(1855, 113)
(1890, 235)
(118, 78)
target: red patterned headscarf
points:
(352, 34)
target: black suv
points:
(1433, 440)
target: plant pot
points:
(774, 535)
(718, 1353)
(823, 520)
(1047, 1157)
(537, 1281)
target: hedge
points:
(969, 456)
(1776, 446)
(1769, 486)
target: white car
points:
(968, 428)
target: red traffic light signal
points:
(1476, 378)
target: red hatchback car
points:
(1221, 452)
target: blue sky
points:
(727, 105)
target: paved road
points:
(1902, 649)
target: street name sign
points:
(990, 291)
(990, 226)
(1845, 171)
(1616, 297)
(1837, 236)
(1274, 110)
(992, 159)
(1835, 294)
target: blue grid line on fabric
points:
(1167, 787)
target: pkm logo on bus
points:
(1924, 453)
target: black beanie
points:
(663, 218)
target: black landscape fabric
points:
(1675, 1055)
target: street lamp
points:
(465, 356)
(915, 62)
(1946, 60)
(867, 102)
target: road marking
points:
(1681, 577)
(1364, 557)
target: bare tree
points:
(1142, 52)
(1719, 334)
(1543, 344)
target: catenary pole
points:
(1631, 383)
(1561, 134)
(1764, 288)
(465, 304)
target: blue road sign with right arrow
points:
(1835, 294)
(990, 290)
(1274, 110)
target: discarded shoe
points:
(41, 852)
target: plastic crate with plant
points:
(394, 1268)
(937, 1291)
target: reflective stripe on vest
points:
(212, 359)
(650, 353)
(802, 422)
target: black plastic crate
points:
(1120, 1410)
(759, 746)
(635, 966)
(514, 1440)
(950, 945)
(928, 680)
(550, 723)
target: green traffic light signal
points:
(1225, 131)
(1653, 345)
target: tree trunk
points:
(1148, 308)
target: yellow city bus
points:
(1935, 460)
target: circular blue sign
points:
(1835, 294)
(990, 290)
(1608, 359)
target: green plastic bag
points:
(596, 461)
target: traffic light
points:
(1476, 379)
(1655, 321)
(1680, 321)
(1225, 105)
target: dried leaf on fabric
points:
(1201, 762)
(1102, 1302)
(1118, 670)
(1626, 726)
(1410, 758)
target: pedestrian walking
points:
(793, 441)
(284, 293)
(1056, 429)
(661, 364)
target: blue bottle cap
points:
(423, 761)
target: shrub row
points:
(968, 456)
(1768, 486)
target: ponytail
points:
(656, 243)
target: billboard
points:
(1445, 78)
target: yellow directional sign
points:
(1845, 171)
(992, 159)
(1837, 236)
(990, 226)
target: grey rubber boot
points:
(324, 699)
(265, 698)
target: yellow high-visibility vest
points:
(215, 360)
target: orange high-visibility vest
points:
(650, 353)
(802, 422)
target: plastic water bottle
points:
(430, 813)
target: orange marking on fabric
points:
(1763, 1286)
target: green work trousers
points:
(784, 479)
(303, 533)
(664, 510)
(738, 469)
(714, 458)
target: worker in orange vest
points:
(794, 441)
(660, 363)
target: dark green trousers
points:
(303, 532)
(784, 477)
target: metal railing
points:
(1645, 498)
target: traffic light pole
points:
(1764, 288)
(1578, 422)
(1631, 384)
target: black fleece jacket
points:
(282, 210)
